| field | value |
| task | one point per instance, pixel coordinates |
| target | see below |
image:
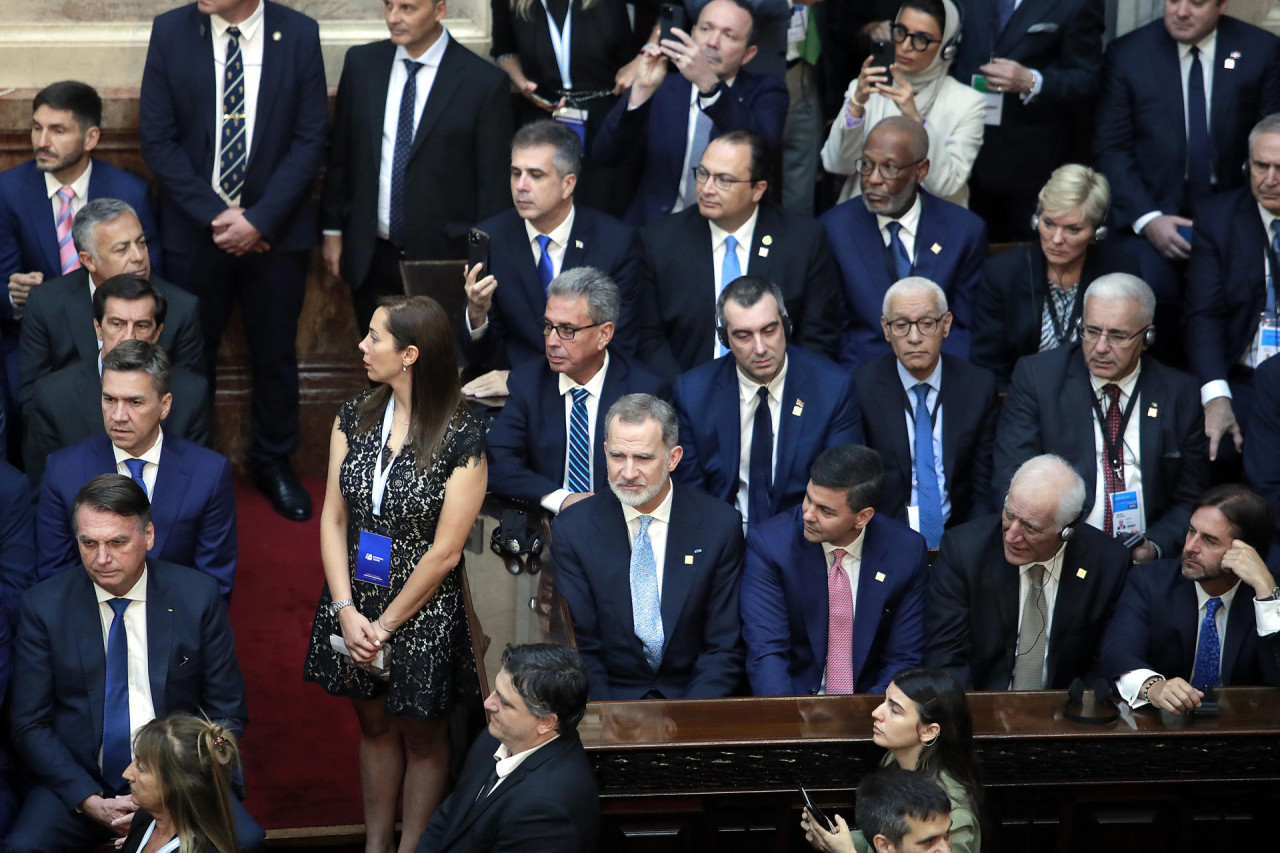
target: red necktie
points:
(839, 627)
(1112, 475)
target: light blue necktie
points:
(701, 138)
(901, 260)
(231, 158)
(115, 705)
(730, 269)
(928, 493)
(646, 607)
(579, 443)
(545, 271)
(1208, 655)
(1275, 250)
(136, 467)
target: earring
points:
(404, 368)
(929, 742)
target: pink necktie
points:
(839, 628)
(68, 260)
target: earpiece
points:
(949, 49)
(1069, 531)
(1149, 339)
(723, 334)
(1099, 233)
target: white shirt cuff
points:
(477, 333)
(1130, 684)
(1144, 220)
(332, 232)
(1267, 616)
(705, 101)
(1213, 389)
(1037, 83)
(552, 502)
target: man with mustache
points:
(1211, 619)
(650, 571)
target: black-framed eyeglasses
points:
(1091, 334)
(900, 328)
(919, 41)
(564, 331)
(724, 183)
(888, 171)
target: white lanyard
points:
(379, 475)
(560, 43)
(172, 845)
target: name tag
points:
(994, 101)
(913, 518)
(373, 561)
(1126, 513)
(1268, 337)
(574, 119)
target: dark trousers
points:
(383, 279)
(1008, 215)
(270, 288)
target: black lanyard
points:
(1113, 450)
(1061, 334)
(911, 409)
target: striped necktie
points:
(579, 443)
(68, 260)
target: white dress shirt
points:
(1132, 447)
(910, 222)
(852, 567)
(149, 471)
(719, 245)
(657, 531)
(933, 402)
(507, 763)
(556, 250)
(141, 706)
(594, 385)
(252, 39)
(1052, 574)
(748, 402)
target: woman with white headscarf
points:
(924, 33)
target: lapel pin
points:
(276, 36)
(1152, 411)
(577, 244)
(764, 252)
(798, 409)
(766, 240)
(1230, 62)
(1080, 573)
(880, 576)
(935, 248)
(688, 559)
(697, 550)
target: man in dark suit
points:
(67, 404)
(545, 446)
(826, 609)
(1261, 462)
(753, 421)
(1005, 589)
(504, 302)
(57, 328)
(1041, 59)
(421, 144)
(945, 398)
(17, 537)
(1163, 156)
(74, 637)
(1144, 472)
(687, 259)
(542, 794)
(235, 194)
(650, 572)
(1210, 619)
(194, 508)
(895, 230)
(712, 91)
(1227, 292)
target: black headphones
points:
(1099, 233)
(517, 541)
(723, 334)
(1148, 337)
(1069, 530)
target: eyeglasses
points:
(564, 331)
(927, 325)
(919, 41)
(888, 171)
(724, 183)
(1090, 335)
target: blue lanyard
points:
(560, 42)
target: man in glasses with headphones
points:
(1132, 427)
(1020, 600)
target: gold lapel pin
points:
(276, 36)
(688, 559)
(880, 577)
(935, 248)
(766, 240)
(1080, 573)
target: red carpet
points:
(300, 746)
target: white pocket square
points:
(1045, 27)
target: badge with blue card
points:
(1126, 513)
(373, 561)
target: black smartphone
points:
(1208, 704)
(478, 250)
(815, 812)
(671, 16)
(882, 53)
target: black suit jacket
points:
(702, 653)
(1049, 410)
(519, 303)
(677, 281)
(458, 170)
(969, 406)
(972, 606)
(1010, 301)
(547, 805)
(1140, 141)
(1155, 628)
(1261, 461)
(57, 330)
(67, 408)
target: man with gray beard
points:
(650, 571)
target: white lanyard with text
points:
(379, 475)
(560, 43)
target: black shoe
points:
(287, 496)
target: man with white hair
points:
(1132, 428)
(1020, 601)
(945, 479)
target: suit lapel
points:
(1165, 65)
(951, 420)
(615, 386)
(1186, 617)
(761, 254)
(1240, 624)
(1022, 18)
(614, 567)
(529, 286)
(791, 425)
(575, 253)
(524, 774)
(556, 439)
(728, 423)
(677, 576)
(37, 201)
(929, 236)
(1077, 404)
(88, 391)
(1151, 397)
(79, 314)
(701, 256)
(892, 397)
(1069, 605)
(172, 476)
(809, 562)
(872, 572)
(269, 84)
(159, 636)
(869, 254)
(676, 120)
(86, 625)
(205, 90)
(448, 78)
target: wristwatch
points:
(1274, 596)
(338, 605)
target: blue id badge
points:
(1126, 513)
(574, 119)
(373, 562)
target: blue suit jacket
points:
(28, 238)
(519, 303)
(784, 606)
(17, 537)
(702, 638)
(528, 442)
(708, 405)
(661, 125)
(177, 131)
(1140, 140)
(60, 668)
(193, 507)
(951, 245)
(1155, 624)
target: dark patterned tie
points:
(1112, 475)
(400, 157)
(1199, 145)
(232, 158)
(1209, 652)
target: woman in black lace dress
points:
(407, 475)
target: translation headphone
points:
(518, 541)
(1069, 530)
(1099, 233)
(723, 334)
(952, 45)
(768, 287)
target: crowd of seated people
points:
(989, 405)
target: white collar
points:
(431, 56)
(748, 387)
(934, 380)
(743, 235)
(152, 455)
(594, 385)
(662, 512)
(139, 590)
(248, 27)
(80, 186)
(559, 235)
(910, 220)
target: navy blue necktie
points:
(400, 155)
(927, 490)
(1209, 652)
(231, 158)
(1199, 146)
(545, 271)
(579, 443)
(136, 467)
(115, 706)
(760, 463)
(901, 260)
(1004, 11)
